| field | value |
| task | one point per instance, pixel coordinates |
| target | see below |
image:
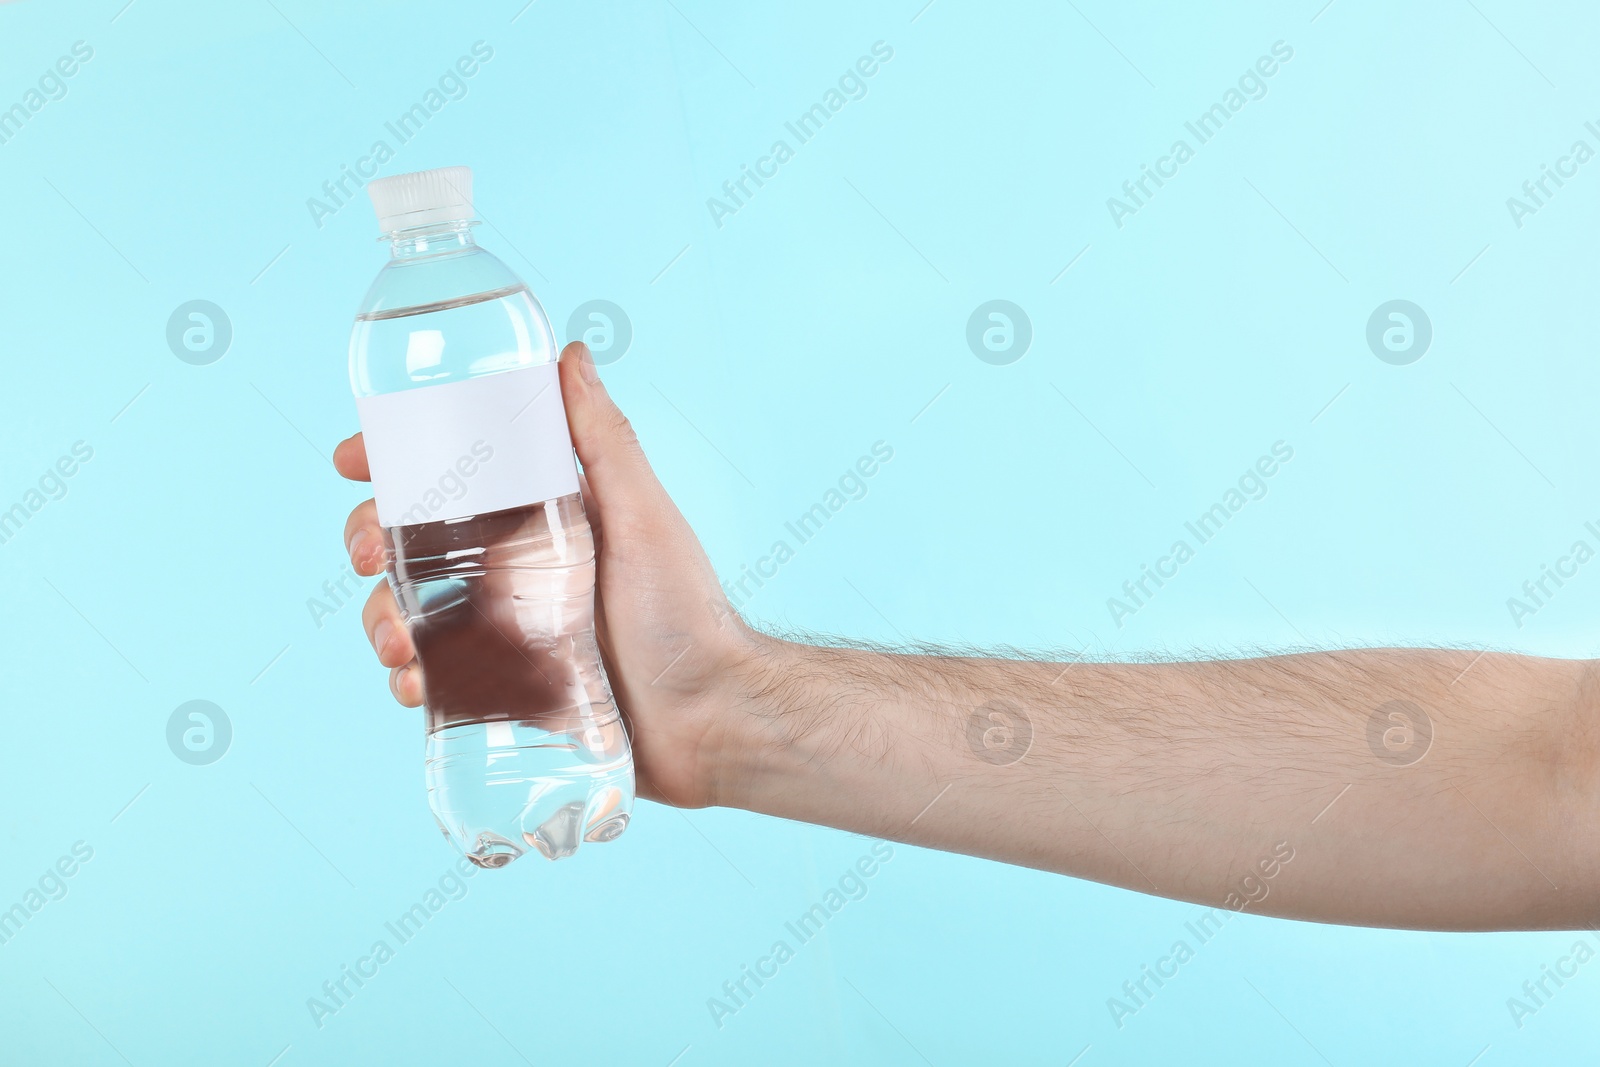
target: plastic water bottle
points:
(490, 556)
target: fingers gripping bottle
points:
(489, 552)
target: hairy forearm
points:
(1427, 789)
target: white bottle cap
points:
(422, 198)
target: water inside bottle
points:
(526, 748)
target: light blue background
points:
(823, 317)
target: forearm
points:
(1262, 784)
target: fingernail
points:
(586, 367)
(365, 553)
(400, 683)
(382, 634)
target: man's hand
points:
(675, 652)
(1388, 787)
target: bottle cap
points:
(422, 198)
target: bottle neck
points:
(434, 240)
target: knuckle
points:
(622, 430)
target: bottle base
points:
(500, 790)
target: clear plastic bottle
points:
(490, 555)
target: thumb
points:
(619, 476)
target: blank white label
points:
(468, 448)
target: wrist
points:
(758, 724)
(831, 736)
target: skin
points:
(1289, 785)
